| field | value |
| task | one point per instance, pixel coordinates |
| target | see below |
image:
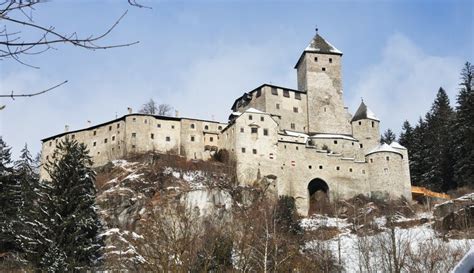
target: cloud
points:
(403, 85)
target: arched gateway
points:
(318, 196)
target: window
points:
(360, 122)
(110, 128)
(310, 167)
(330, 60)
(338, 168)
(158, 125)
(145, 121)
(172, 126)
(361, 146)
(292, 125)
(243, 150)
(265, 132)
(262, 118)
(373, 124)
(134, 119)
(105, 140)
(211, 139)
(324, 68)
(254, 151)
(298, 96)
(274, 91)
(134, 134)
(254, 130)
(219, 127)
(118, 125)
(335, 141)
(241, 129)
(50, 143)
(192, 126)
(206, 127)
(259, 93)
(297, 148)
(168, 139)
(277, 106)
(315, 59)
(113, 138)
(350, 169)
(250, 117)
(192, 138)
(371, 160)
(133, 146)
(73, 136)
(387, 158)
(363, 171)
(320, 167)
(286, 93)
(47, 157)
(95, 133)
(94, 143)
(152, 136)
(295, 109)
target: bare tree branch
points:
(13, 96)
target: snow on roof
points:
(295, 134)
(363, 112)
(371, 115)
(236, 114)
(253, 110)
(318, 43)
(383, 148)
(397, 145)
(333, 136)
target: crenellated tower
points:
(319, 75)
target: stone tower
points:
(319, 75)
(365, 127)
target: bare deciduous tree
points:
(152, 108)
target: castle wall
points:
(367, 132)
(199, 139)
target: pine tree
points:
(406, 136)
(464, 129)
(10, 201)
(419, 151)
(388, 137)
(439, 176)
(74, 223)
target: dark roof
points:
(248, 95)
(123, 119)
(319, 45)
(364, 113)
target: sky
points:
(199, 56)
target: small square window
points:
(277, 106)
(241, 129)
(254, 151)
(298, 96)
(133, 146)
(371, 160)
(152, 136)
(50, 143)
(254, 130)
(105, 140)
(295, 109)
(145, 121)
(134, 134)
(259, 93)
(310, 167)
(297, 148)
(192, 138)
(360, 122)
(243, 150)
(168, 139)
(250, 117)
(361, 146)
(265, 132)
(350, 169)
(338, 168)
(73, 136)
(373, 124)
(320, 167)
(172, 126)
(293, 126)
(206, 127)
(134, 119)
(335, 141)
(95, 133)
(113, 138)
(219, 127)
(262, 118)
(192, 126)
(387, 158)
(315, 59)
(211, 139)
(274, 91)
(158, 125)
(286, 93)
(94, 143)
(324, 68)
(118, 125)
(110, 128)
(330, 60)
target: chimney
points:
(129, 110)
(66, 128)
(176, 113)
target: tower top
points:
(364, 113)
(319, 45)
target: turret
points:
(319, 75)
(366, 127)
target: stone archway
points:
(318, 196)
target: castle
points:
(297, 141)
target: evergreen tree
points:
(10, 201)
(388, 137)
(74, 224)
(464, 129)
(419, 151)
(406, 136)
(439, 175)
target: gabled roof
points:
(384, 147)
(319, 45)
(364, 113)
(248, 95)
